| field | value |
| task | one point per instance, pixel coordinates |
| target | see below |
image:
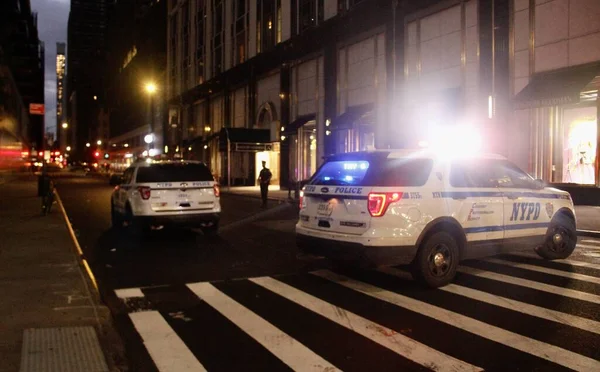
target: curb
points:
(589, 233)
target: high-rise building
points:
(23, 54)
(85, 60)
(61, 63)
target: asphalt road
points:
(244, 301)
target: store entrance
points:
(579, 145)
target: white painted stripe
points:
(545, 270)
(596, 242)
(540, 349)
(566, 292)
(396, 342)
(129, 292)
(507, 303)
(288, 350)
(569, 262)
(166, 349)
(587, 246)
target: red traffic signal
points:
(96, 154)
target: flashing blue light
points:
(326, 178)
(348, 178)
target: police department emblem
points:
(324, 189)
(549, 209)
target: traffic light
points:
(106, 156)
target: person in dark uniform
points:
(264, 178)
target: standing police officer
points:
(264, 178)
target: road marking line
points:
(595, 242)
(587, 246)
(566, 261)
(166, 349)
(565, 274)
(386, 337)
(287, 349)
(540, 349)
(507, 303)
(566, 292)
(125, 293)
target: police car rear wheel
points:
(115, 218)
(437, 260)
(560, 241)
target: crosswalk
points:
(511, 312)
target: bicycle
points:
(48, 198)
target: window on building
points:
(267, 25)
(307, 14)
(185, 20)
(173, 53)
(200, 17)
(240, 34)
(279, 21)
(217, 41)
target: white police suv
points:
(163, 193)
(413, 207)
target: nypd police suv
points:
(414, 207)
(160, 193)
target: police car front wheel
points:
(561, 239)
(436, 261)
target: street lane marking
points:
(510, 304)
(566, 292)
(566, 261)
(588, 246)
(287, 349)
(596, 242)
(540, 349)
(166, 349)
(388, 338)
(125, 293)
(565, 274)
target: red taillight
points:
(144, 192)
(216, 190)
(379, 202)
(301, 199)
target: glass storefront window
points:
(579, 145)
(307, 147)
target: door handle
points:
(512, 196)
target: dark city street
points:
(299, 185)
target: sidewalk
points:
(588, 217)
(51, 318)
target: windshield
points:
(174, 172)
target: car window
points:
(489, 173)
(174, 172)
(128, 176)
(405, 172)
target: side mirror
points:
(116, 180)
(540, 184)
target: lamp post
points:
(150, 90)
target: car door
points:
(527, 209)
(476, 202)
(124, 188)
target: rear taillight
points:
(144, 192)
(301, 202)
(216, 190)
(379, 202)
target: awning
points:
(352, 114)
(557, 87)
(292, 128)
(245, 139)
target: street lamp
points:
(150, 88)
(68, 148)
(149, 138)
(87, 144)
(99, 142)
(65, 125)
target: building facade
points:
(555, 75)
(86, 58)
(61, 64)
(136, 80)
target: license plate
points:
(325, 209)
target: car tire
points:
(437, 260)
(561, 239)
(211, 231)
(134, 226)
(116, 219)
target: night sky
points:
(53, 16)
